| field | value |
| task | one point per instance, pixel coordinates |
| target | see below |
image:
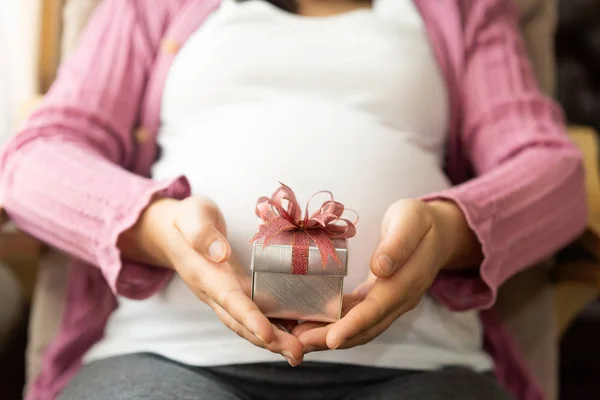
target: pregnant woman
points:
(146, 159)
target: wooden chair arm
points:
(571, 298)
(585, 271)
(18, 245)
(578, 281)
(586, 139)
(21, 253)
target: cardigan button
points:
(142, 135)
(170, 46)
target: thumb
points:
(203, 227)
(404, 226)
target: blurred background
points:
(19, 38)
(577, 46)
(563, 41)
(20, 31)
(578, 60)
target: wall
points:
(19, 33)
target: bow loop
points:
(282, 212)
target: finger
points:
(370, 334)
(393, 296)
(235, 326)
(362, 321)
(288, 346)
(404, 226)
(217, 283)
(283, 343)
(307, 326)
(313, 337)
(366, 314)
(316, 339)
(242, 274)
(202, 225)
(227, 293)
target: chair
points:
(536, 310)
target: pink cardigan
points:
(76, 176)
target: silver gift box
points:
(278, 293)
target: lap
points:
(149, 377)
(446, 384)
(146, 377)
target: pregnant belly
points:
(236, 154)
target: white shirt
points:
(354, 104)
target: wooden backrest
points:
(50, 38)
(538, 21)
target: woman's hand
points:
(418, 240)
(189, 236)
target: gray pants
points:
(150, 377)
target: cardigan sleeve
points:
(63, 177)
(528, 198)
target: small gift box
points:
(299, 263)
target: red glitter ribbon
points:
(321, 227)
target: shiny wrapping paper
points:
(314, 296)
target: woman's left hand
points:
(418, 240)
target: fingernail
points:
(310, 349)
(216, 251)
(292, 364)
(337, 345)
(260, 338)
(288, 355)
(385, 264)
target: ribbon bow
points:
(321, 227)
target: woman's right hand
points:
(189, 236)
